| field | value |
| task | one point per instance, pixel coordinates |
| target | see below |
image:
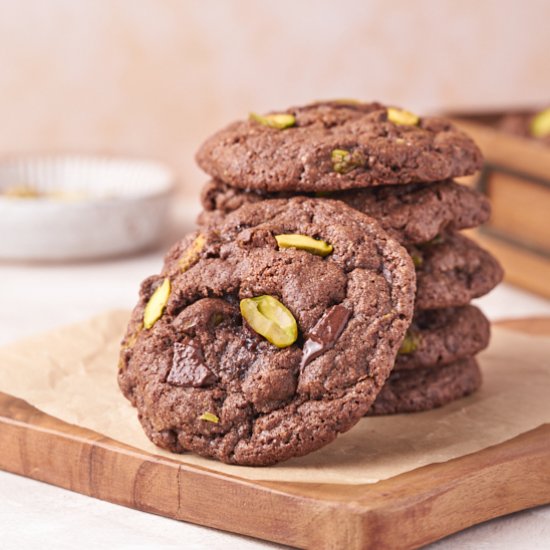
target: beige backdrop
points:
(155, 77)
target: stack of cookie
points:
(327, 281)
(397, 168)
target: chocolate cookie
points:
(268, 335)
(441, 336)
(451, 271)
(426, 389)
(337, 145)
(414, 213)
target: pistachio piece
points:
(156, 304)
(191, 255)
(540, 124)
(417, 259)
(217, 319)
(303, 242)
(344, 161)
(402, 117)
(209, 417)
(410, 343)
(271, 319)
(280, 121)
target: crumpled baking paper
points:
(70, 373)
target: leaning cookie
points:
(453, 270)
(264, 338)
(412, 214)
(426, 389)
(441, 336)
(329, 146)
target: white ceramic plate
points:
(87, 206)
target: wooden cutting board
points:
(405, 511)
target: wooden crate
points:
(516, 177)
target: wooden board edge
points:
(46, 449)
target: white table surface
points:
(35, 298)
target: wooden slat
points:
(518, 184)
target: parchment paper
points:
(70, 373)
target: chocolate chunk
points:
(325, 333)
(188, 368)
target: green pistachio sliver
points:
(156, 304)
(340, 159)
(304, 242)
(191, 255)
(540, 124)
(344, 161)
(417, 259)
(402, 117)
(280, 121)
(209, 417)
(410, 343)
(271, 319)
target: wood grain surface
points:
(406, 511)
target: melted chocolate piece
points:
(325, 333)
(188, 368)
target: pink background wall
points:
(155, 77)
